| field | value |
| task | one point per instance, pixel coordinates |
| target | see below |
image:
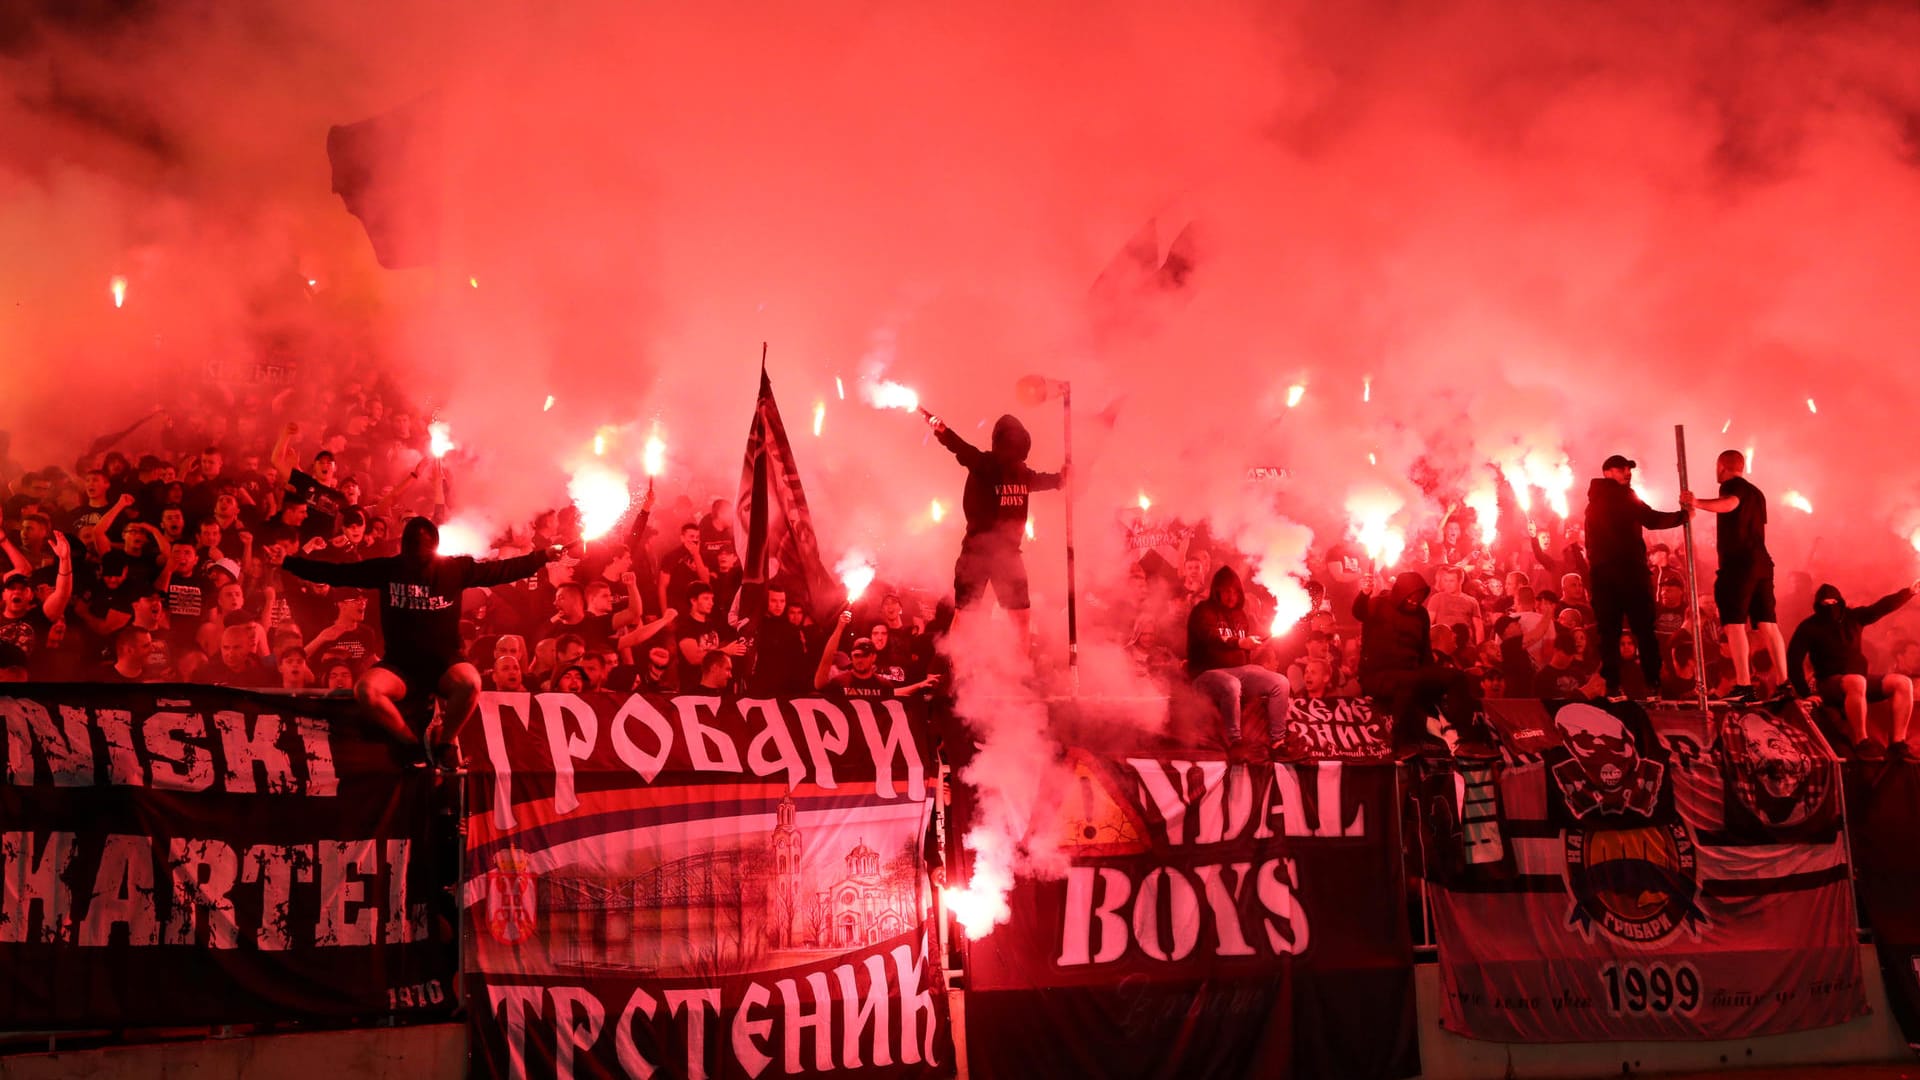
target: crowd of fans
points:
(167, 565)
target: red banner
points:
(1643, 877)
(700, 885)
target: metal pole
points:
(1073, 594)
(1693, 576)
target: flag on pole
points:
(773, 528)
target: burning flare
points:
(819, 417)
(440, 438)
(118, 287)
(549, 405)
(888, 394)
(1797, 501)
(1371, 511)
(601, 496)
(1295, 393)
(937, 512)
(1366, 388)
(840, 388)
(1029, 528)
(1146, 504)
(653, 457)
(856, 573)
(1812, 408)
(982, 905)
(1485, 504)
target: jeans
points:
(1227, 688)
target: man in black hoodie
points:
(1220, 640)
(1622, 584)
(1830, 638)
(1398, 671)
(420, 592)
(995, 502)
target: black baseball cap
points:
(863, 645)
(1618, 461)
(19, 581)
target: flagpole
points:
(1073, 593)
(1693, 587)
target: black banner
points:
(1883, 802)
(1215, 919)
(199, 855)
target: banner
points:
(1341, 729)
(199, 855)
(1672, 876)
(704, 886)
(1212, 920)
(1883, 802)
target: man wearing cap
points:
(1622, 583)
(420, 592)
(1743, 587)
(23, 622)
(862, 677)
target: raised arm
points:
(1885, 606)
(962, 449)
(823, 674)
(648, 631)
(282, 457)
(15, 557)
(501, 571)
(56, 602)
(367, 574)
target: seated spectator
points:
(1680, 680)
(1829, 641)
(1219, 640)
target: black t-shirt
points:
(323, 503)
(708, 635)
(714, 540)
(681, 574)
(781, 665)
(1741, 533)
(847, 684)
(595, 630)
(28, 632)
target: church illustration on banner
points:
(770, 899)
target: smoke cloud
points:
(1471, 232)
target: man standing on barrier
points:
(1622, 584)
(420, 593)
(1743, 588)
(1830, 638)
(999, 484)
(1398, 671)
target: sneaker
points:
(1868, 750)
(1292, 749)
(1740, 695)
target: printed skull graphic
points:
(1600, 743)
(1775, 760)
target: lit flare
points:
(118, 287)
(819, 417)
(1797, 501)
(887, 394)
(440, 438)
(1295, 393)
(856, 573)
(601, 496)
(653, 456)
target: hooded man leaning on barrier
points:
(1398, 671)
(1220, 641)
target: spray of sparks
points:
(840, 388)
(1295, 393)
(1724, 428)
(601, 496)
(1797, 501)
(548, 407)
(439, 438)
(118, 287)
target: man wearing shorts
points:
(1743, 589)
(995, 502)
(1830, 639)
(420, 592)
